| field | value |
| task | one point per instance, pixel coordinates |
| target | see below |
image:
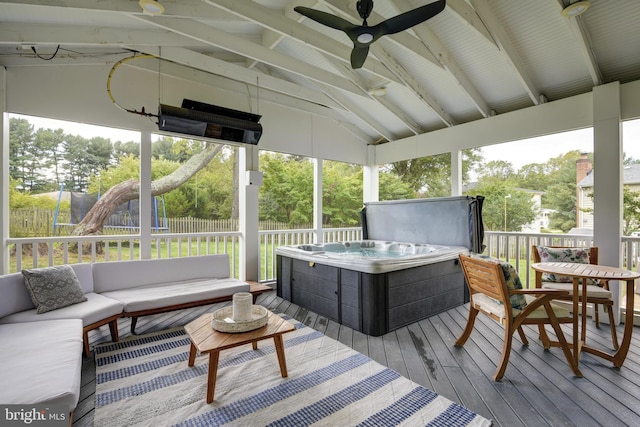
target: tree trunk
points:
(93, 222)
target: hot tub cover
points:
(451, 221)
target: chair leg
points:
(523, 337)
(473, 312)
(614, 334)
(596, 315)
(506, 352)
(544, 338)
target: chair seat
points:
(593, 291)
(490, 305)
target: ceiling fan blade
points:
(358, 56)
(412, 17)
(325, 18)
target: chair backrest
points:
(593, 253)
(485, 277)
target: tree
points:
(431, 176)
(76, 163)
(52, 142)
(163, 149)
(631, 214)
(561, 194)
(286, 194)
(99, 152)
(342, 193)
(505, 207)
(391, 187)
(21, 136)
(128, 190)
(121, 149)
(498, 169)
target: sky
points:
(518, 153)
(541, 149)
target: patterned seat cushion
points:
(511, 277)
(573, 255)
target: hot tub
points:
(372, 286)
(378, 285)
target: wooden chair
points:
(596, 294)
(490, 295)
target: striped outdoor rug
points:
(145, 380)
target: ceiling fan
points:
(363, 35)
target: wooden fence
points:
(37, 222)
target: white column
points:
(4, 174)
(145, 195)
(608, 180)
(370, 183)
(317, 201)
(248, 211)
(456, 173)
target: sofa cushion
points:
(53, 287)
(97, 307)
(16, 298)
(118, 275)
(152, 297)
(41, 362)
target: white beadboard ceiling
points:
(476, 59)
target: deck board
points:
(538, 388)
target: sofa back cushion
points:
(85, 275)
(118, 275)
(15, 298)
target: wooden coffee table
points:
(207, 340)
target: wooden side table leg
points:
(583, 331)
(280, 351)
(621, 354)
(192, 355)
(213, 373)
(254, 344)
(576, 336)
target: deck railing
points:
(47, 251)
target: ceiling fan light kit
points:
(151, 7)
(363, 35)
(575, 9)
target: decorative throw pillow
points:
(53, 287)
(511, 277)
(574, 255)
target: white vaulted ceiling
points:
(476, 59)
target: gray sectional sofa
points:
(41, 354)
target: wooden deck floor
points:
(538, 389)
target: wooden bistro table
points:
(581, 272)
(207, 340)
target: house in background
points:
(542, 218)
(584, 189)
